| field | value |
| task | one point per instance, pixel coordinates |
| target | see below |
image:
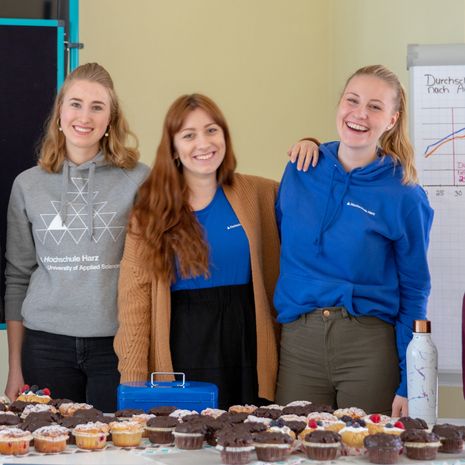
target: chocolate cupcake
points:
(265, 412)
(18, 406)
(128, 412)
(163, 410)
(272, 447)
(413, 423)
(383, 448)
(189, 435)
(451, 438)
(235, 446)
(420, 445)
(160, 429)
(229, 417)
(322, 445)
(299, 410)
(320, 408)
(9, 419)
(57, 402)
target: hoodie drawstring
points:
(90, 200)
(64, 189)
(326, 223)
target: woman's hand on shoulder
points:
(399, 406)
(305, 153)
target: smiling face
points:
(200, 145)
(366, 110)
(84, 118)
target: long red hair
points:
(162, 217)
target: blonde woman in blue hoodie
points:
(66, 226)
(353, 269)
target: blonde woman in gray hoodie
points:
(66, 225)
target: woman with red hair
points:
(200, 264)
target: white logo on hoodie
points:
(356, 205)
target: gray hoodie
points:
(65, 240)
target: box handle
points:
(154, 383)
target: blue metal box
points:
(189, 395)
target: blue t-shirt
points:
(228, 244)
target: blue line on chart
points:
(443, 139)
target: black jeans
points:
(82, 369)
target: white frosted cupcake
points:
(50, 439)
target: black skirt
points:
(213, 339)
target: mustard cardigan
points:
(142, 341)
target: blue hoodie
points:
(356, 239)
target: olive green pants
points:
(331, 357)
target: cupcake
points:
(352, 436)
(376, 422)
(212, 412)
(91, 436)
(189, 435)
(50, 439)
(235, 446)
(160, 429)
(413, 423)
(397, 428)
(127, 413)
(126, 433)
(14, 441)
(249, 409)
(420, 445)
(34, 394)
(321, 445)
(383, 448)
(272, 447)
(9, 419)
(37, 408)
(69, 409)
(352, 412)
(163, 410)
(265, 412)
(451, 438)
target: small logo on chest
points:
(356, 205)
(233, 226)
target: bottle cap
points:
(422, 326)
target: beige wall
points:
(275, 67)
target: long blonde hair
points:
(394, 142)
(117, 152)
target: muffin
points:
(163, 410)
(397, 428)
(376, 422)
(189, 435)
(272, 447)
(352, 436)
(321, 445)
(14, 441)
(413, 423)
(212, 412)
(265, 412)
(249, 409)
(352, 412)
(127, 413)
(126, 433)
(34, 394)
(69, 409)
(37, 408)
(160, 429)
(235, 446)
(9, 419)
(420, 445)
(451, 438)
(383, 448)
(50, 439)
(91, 436)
